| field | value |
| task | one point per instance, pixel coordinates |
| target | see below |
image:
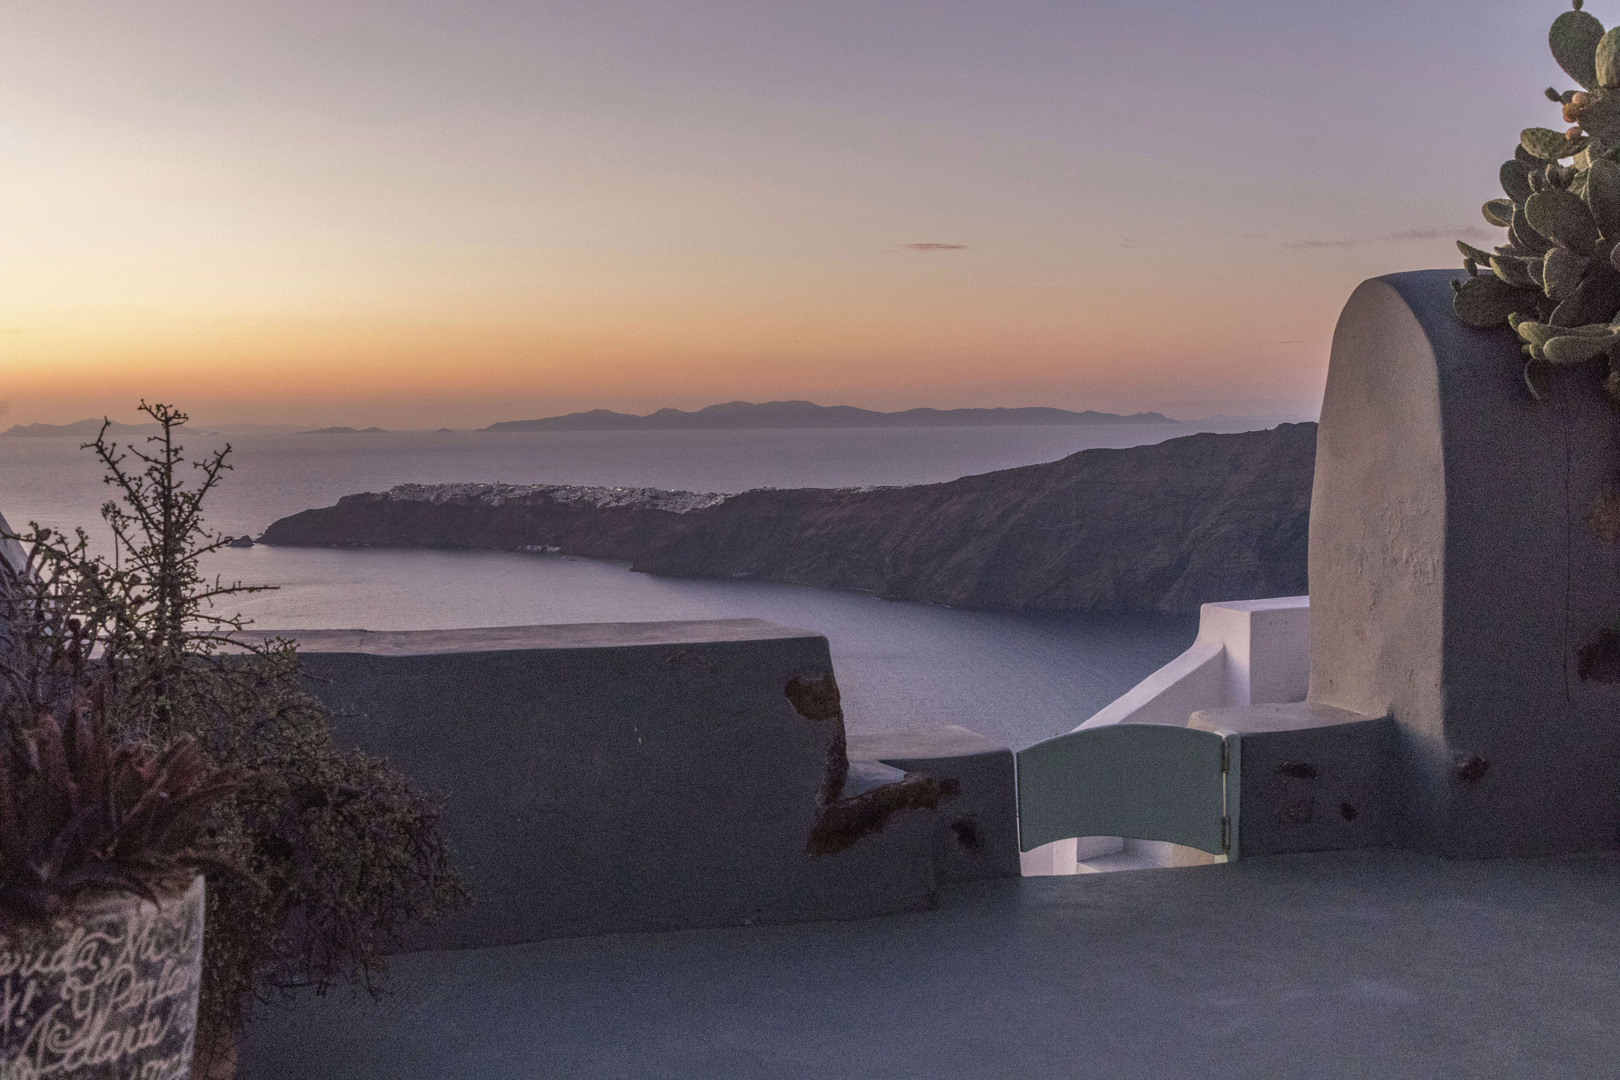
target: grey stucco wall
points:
(1377, 540)
(12, 556)
(1312, 777)
(1455, 580)
(976, 828)
(621, 777)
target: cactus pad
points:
(1487, 301)
(1549, 145)
(1574, 39)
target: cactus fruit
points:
(1556, 282)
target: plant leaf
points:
(1537, 379)
(1574, 40)
(1515, 177)
(1550, 145)
(1486, 301)
(1604, 61)
(1564, 219)
(1561, 271)
(1576, 348)
(1603, 195)
(1499, 212)
(1594, 300)
(1512, 271)
(1526, 237)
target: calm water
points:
(1016, 678)
(52, 481)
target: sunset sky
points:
(425, 214)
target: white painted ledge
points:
(1248, 652)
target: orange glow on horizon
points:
(337, 214)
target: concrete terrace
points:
(1448, 687)
(1372, 963)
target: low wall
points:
(613, 777)
(976, 829)
(1310, 777)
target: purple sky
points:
(456, 213)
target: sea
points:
(1015, 677)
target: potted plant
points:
(324, 856)
(101, 899)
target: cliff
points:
(603, 523)
(1150, 528)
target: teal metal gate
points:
(1143, 781)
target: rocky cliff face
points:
(604, 523)
(1150, 528)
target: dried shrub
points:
(323, 855)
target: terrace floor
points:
(1358, 965)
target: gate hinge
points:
(1226, 757)
(1226, 833)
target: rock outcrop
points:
(1149, 528)
(604, 523)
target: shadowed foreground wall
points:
(638, 776)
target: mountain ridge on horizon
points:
(734, 415)
(90, 426)
(745, 415)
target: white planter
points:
(106, 993)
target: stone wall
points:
(639, 776)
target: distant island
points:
(733, 415)
(84, 429)
(89, 428)
(744, 415)
(1162, 527)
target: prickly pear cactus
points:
(1557, 280)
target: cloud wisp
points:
(1306, 245)
(934, 247)
(1466, 232)
(1453, 232)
